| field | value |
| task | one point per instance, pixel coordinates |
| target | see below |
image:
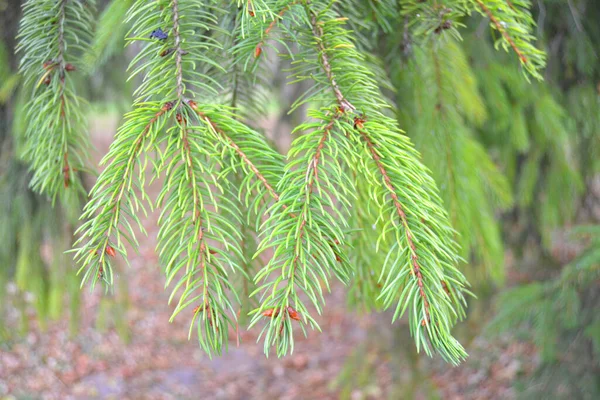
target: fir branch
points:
(306, 223)
(306, 237)
(502, 31)
(204, 268)
(56, 121)
(415, 268)
(515, 26)
(311, 249)
(113, 195)
(436, 289)
(443, 102)
(318, 33)
(197, 146)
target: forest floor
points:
(355, 356)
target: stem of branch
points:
(178, 50)
(237, 149)
(318, 33)
(66, 168)
(258, 49)
(137, 146)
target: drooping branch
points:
(55, 119)
(416, 268)
(499, 26)
(106, 212)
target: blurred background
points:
(518, 167)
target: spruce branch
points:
(53, 35)
(305, 239)
(420, 267)
(512, 20)
(442, 108)
(307, 234)
(316, 193)
(197, 146)
(113, 196)
(515, 26)
(415, 268)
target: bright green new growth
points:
(53, 36)
(306, 231)
(353, 179)
(196, 147)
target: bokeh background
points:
(530, 230)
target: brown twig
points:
(237, 149)
(317, 29)
(178, 50)
(314, 165)
(196, 216)
(258, 48)
(60, 63)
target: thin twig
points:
(258, 49)
(237, 149)
(66, 168)
(317, 29)
(178, 50)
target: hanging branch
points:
(515, 25)
(115, 197)
(445, 101)
(512, 20)
(219, 175)
(52, 38)
(197, 146)
(420, 269)
(306, 226)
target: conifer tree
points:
(243, 227)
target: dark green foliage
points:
(562, 316)
(444, 107)
(34, 236)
